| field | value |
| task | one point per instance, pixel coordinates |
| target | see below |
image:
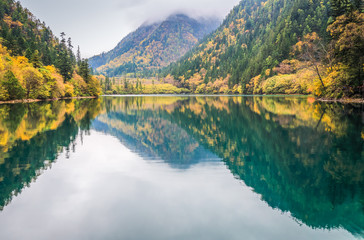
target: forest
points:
(280, 47)
(262, 47)
(35, 64)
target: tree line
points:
(255, 39)
(36, 64)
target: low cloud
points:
(98, 26)
(130, 3)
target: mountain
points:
(34, 63)
(254, 37)
(22, 33)
(280, 47)
(155, 45)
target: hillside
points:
(153, 46)
(34, 63)
(257, 41)
(255, 36)
(22, 33)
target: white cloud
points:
(98, 26)
(130, 3)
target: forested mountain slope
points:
(258, 35)
(34, 64)
(22, 33)
(153, 46)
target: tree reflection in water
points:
(300, 156)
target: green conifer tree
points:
(36, 59)
(13, 86)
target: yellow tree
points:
(195, 81)
(347, 33)
(311, 50)
(32, 79)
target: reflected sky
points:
(182, 167)
(100, 193)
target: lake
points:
(182, 167)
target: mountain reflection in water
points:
(300, 156)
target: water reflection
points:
(33, 135)
(145, 126)
(302, 157)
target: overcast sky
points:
(98, 25)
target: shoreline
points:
(42, 100)
(344, 101)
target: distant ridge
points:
(154, 45)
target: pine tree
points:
(340, 7)
(107, 84)
(63, 61)
(63, 39)
(78, 58)
(84, 70)
(70, 51)
(137, 83)
(36, 59)
(125, 83)
(28, 53)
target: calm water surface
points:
(180, 167)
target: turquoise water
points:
(182, 167)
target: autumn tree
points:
(13, 86)
(347, 34)
(41, 65)
(33, 81)
(4, 96)
(94, 88)
(312, 50)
